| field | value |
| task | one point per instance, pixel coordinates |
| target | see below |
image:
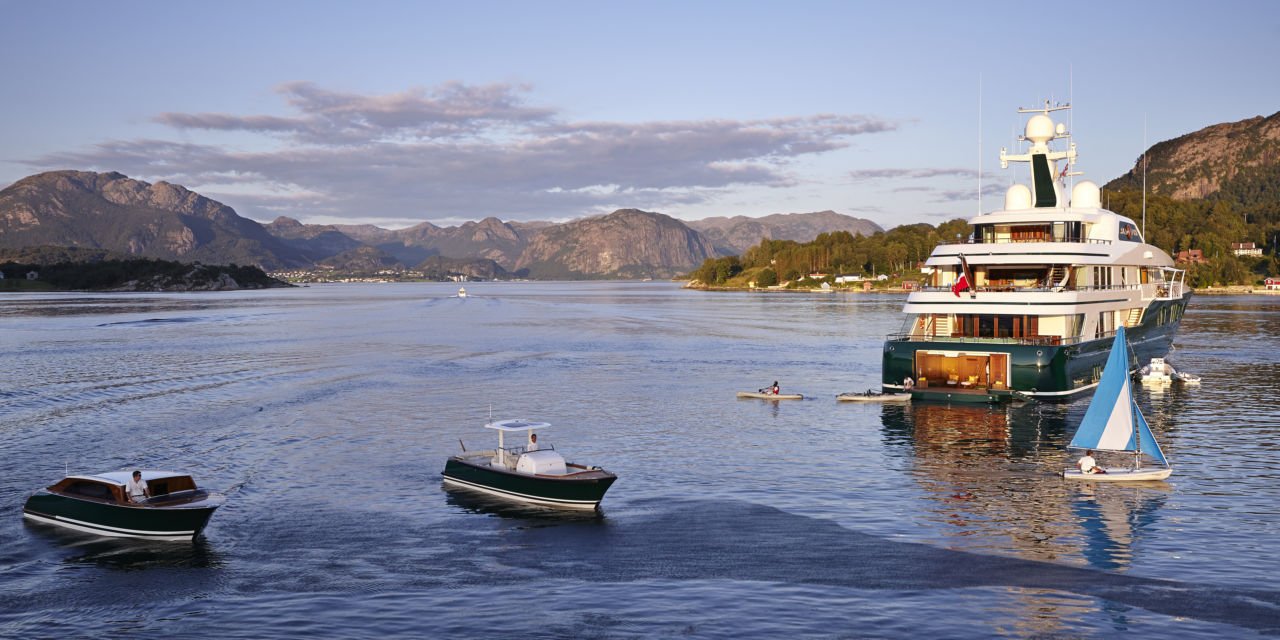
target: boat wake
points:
(694, 540)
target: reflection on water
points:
(77, 547)
(1114, 517)
(991, 474)
(471, 501)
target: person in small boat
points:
(533, 443)
(775, 389)
(908, 383)
(137, 488)
(1089, 465)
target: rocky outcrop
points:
(733, 236)
(442, 268)
(111, 211)
(362, 259)
(627, 243)
(1203, 163)
(314, 241)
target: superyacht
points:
(1030, 303)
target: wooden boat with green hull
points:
(97, 504)
(531, 472)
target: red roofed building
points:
(1191, 256)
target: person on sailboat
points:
(1088, 465)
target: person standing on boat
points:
(533, 443)
(137, 488)
(1088, 464)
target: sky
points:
(395, 113)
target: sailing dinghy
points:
(1113, 422)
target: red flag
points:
(961, 285)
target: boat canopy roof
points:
(122, 477)
(517, 424)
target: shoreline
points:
(1233, 290)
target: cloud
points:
(463, 150)
(864, 175)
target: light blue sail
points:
(1113, 421)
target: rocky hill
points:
(490, 239)
(362, 259)
(732, 236)
(1234, 158)
(314, 241)
(111, 211)
(441, 268)
(627, 243)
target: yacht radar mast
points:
(1040, 131)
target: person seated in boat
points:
(908, 383)
(1088, 464)
(775, 389)
(137, 488)
(533, 443)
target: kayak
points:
(871, 396)
(770, 396)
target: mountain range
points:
(162, 220)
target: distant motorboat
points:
(462, 292)
(1113, 422)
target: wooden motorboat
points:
(529, 472)
(177, 509)
(873, 396)
(770, 396)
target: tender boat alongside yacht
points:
(1031, 301)
(177, 509)
(1160, 372)
(532, 472)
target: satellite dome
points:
(1017, 197)
(1086, 195)
(1040, 129)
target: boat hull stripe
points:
(89, 527)
(588, 504)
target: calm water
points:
(325, 414)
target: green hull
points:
(182, 521)
(1040, 370)
(585, 491)
(986, 396)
